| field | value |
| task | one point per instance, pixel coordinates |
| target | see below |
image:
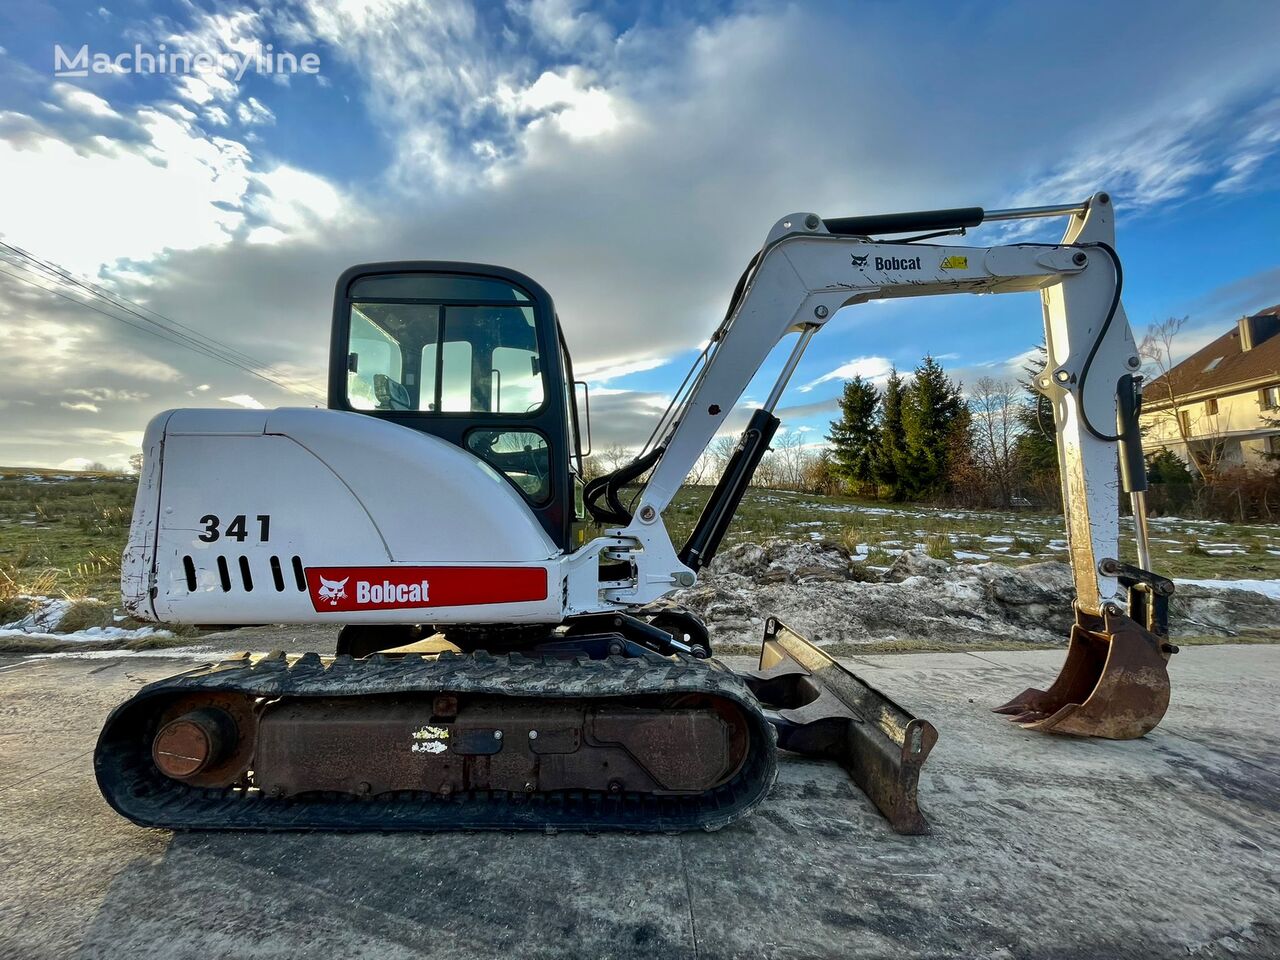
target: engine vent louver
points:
(278, 575)
(224, 575)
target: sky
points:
(630, 156)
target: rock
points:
(744, 559)
(913, 564)
(1196, 610)
(779, 561)
(819, 574)
(1034, 583)
(818, 589)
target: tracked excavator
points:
(497, 667)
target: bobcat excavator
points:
(499, 670)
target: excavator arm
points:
(810, 268)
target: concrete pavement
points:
(1042, 846)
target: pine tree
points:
(853, 436)
(890, 458)
(1036, 447)
(933, 413)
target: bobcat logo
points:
(857, 260)
(333, 590)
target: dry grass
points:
(939, 547)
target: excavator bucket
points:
(823, 710)
(1114, 684)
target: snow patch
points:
(43, 622)
(1268, 588)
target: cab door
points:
(469, 353)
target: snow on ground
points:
(1268, 588)
(197, 654)
(91, 635)
(44, 621)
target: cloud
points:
(83, 101)
(1255, 147)
(577, 108)
(252, 111)
(611, 368)
(243, 400)
(106, 393)
(177, 190)
(1165, 156)
(1239, 297)
(875, 369)
(82, 405)
(629, 167)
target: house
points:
(1221, 405)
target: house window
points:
(1211, 407)
(1269, 398)
(1184, 420)
(1273, 445)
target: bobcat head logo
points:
(333, 590)
(858, 261)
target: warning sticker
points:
(955, 263)
(430, 739)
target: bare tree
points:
(607, 460)
(994, 406)
(1158, 350)
(791, 454)
(720, 450)
(769, 473)
(703, 468)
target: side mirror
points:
(353, 362)
(586, 400)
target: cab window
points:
(446, 357)
(523, 455)
(379, 376)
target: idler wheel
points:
(194, 742)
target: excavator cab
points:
(472, 354)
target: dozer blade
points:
(821, 709)
(1114, 684)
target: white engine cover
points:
(303, 515)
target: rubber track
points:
(137, 790)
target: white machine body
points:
(298, 516)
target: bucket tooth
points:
(1114, 683)
(822, 709)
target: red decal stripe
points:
(338, 589)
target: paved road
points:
(1042, 847)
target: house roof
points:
(1221, 366)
